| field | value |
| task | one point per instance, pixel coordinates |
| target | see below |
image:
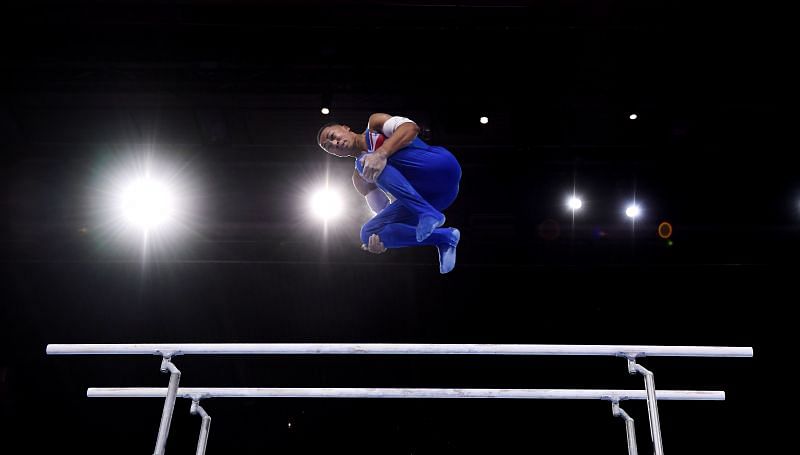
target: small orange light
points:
(665, 230)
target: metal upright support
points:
(630, 428)
(169, 403)
(205, 425)
(652, 403)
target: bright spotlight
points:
(326, 204)
(325, 111)
(143, 201)
(574, 203)
(147, 203)
(633, 117)
(484, 120)
(633, 211)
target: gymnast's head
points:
(338, 140)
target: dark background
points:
(230, 93)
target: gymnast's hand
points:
(373, 166)
(375, 245)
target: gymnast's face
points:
(338, 140)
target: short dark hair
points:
(319, 133)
